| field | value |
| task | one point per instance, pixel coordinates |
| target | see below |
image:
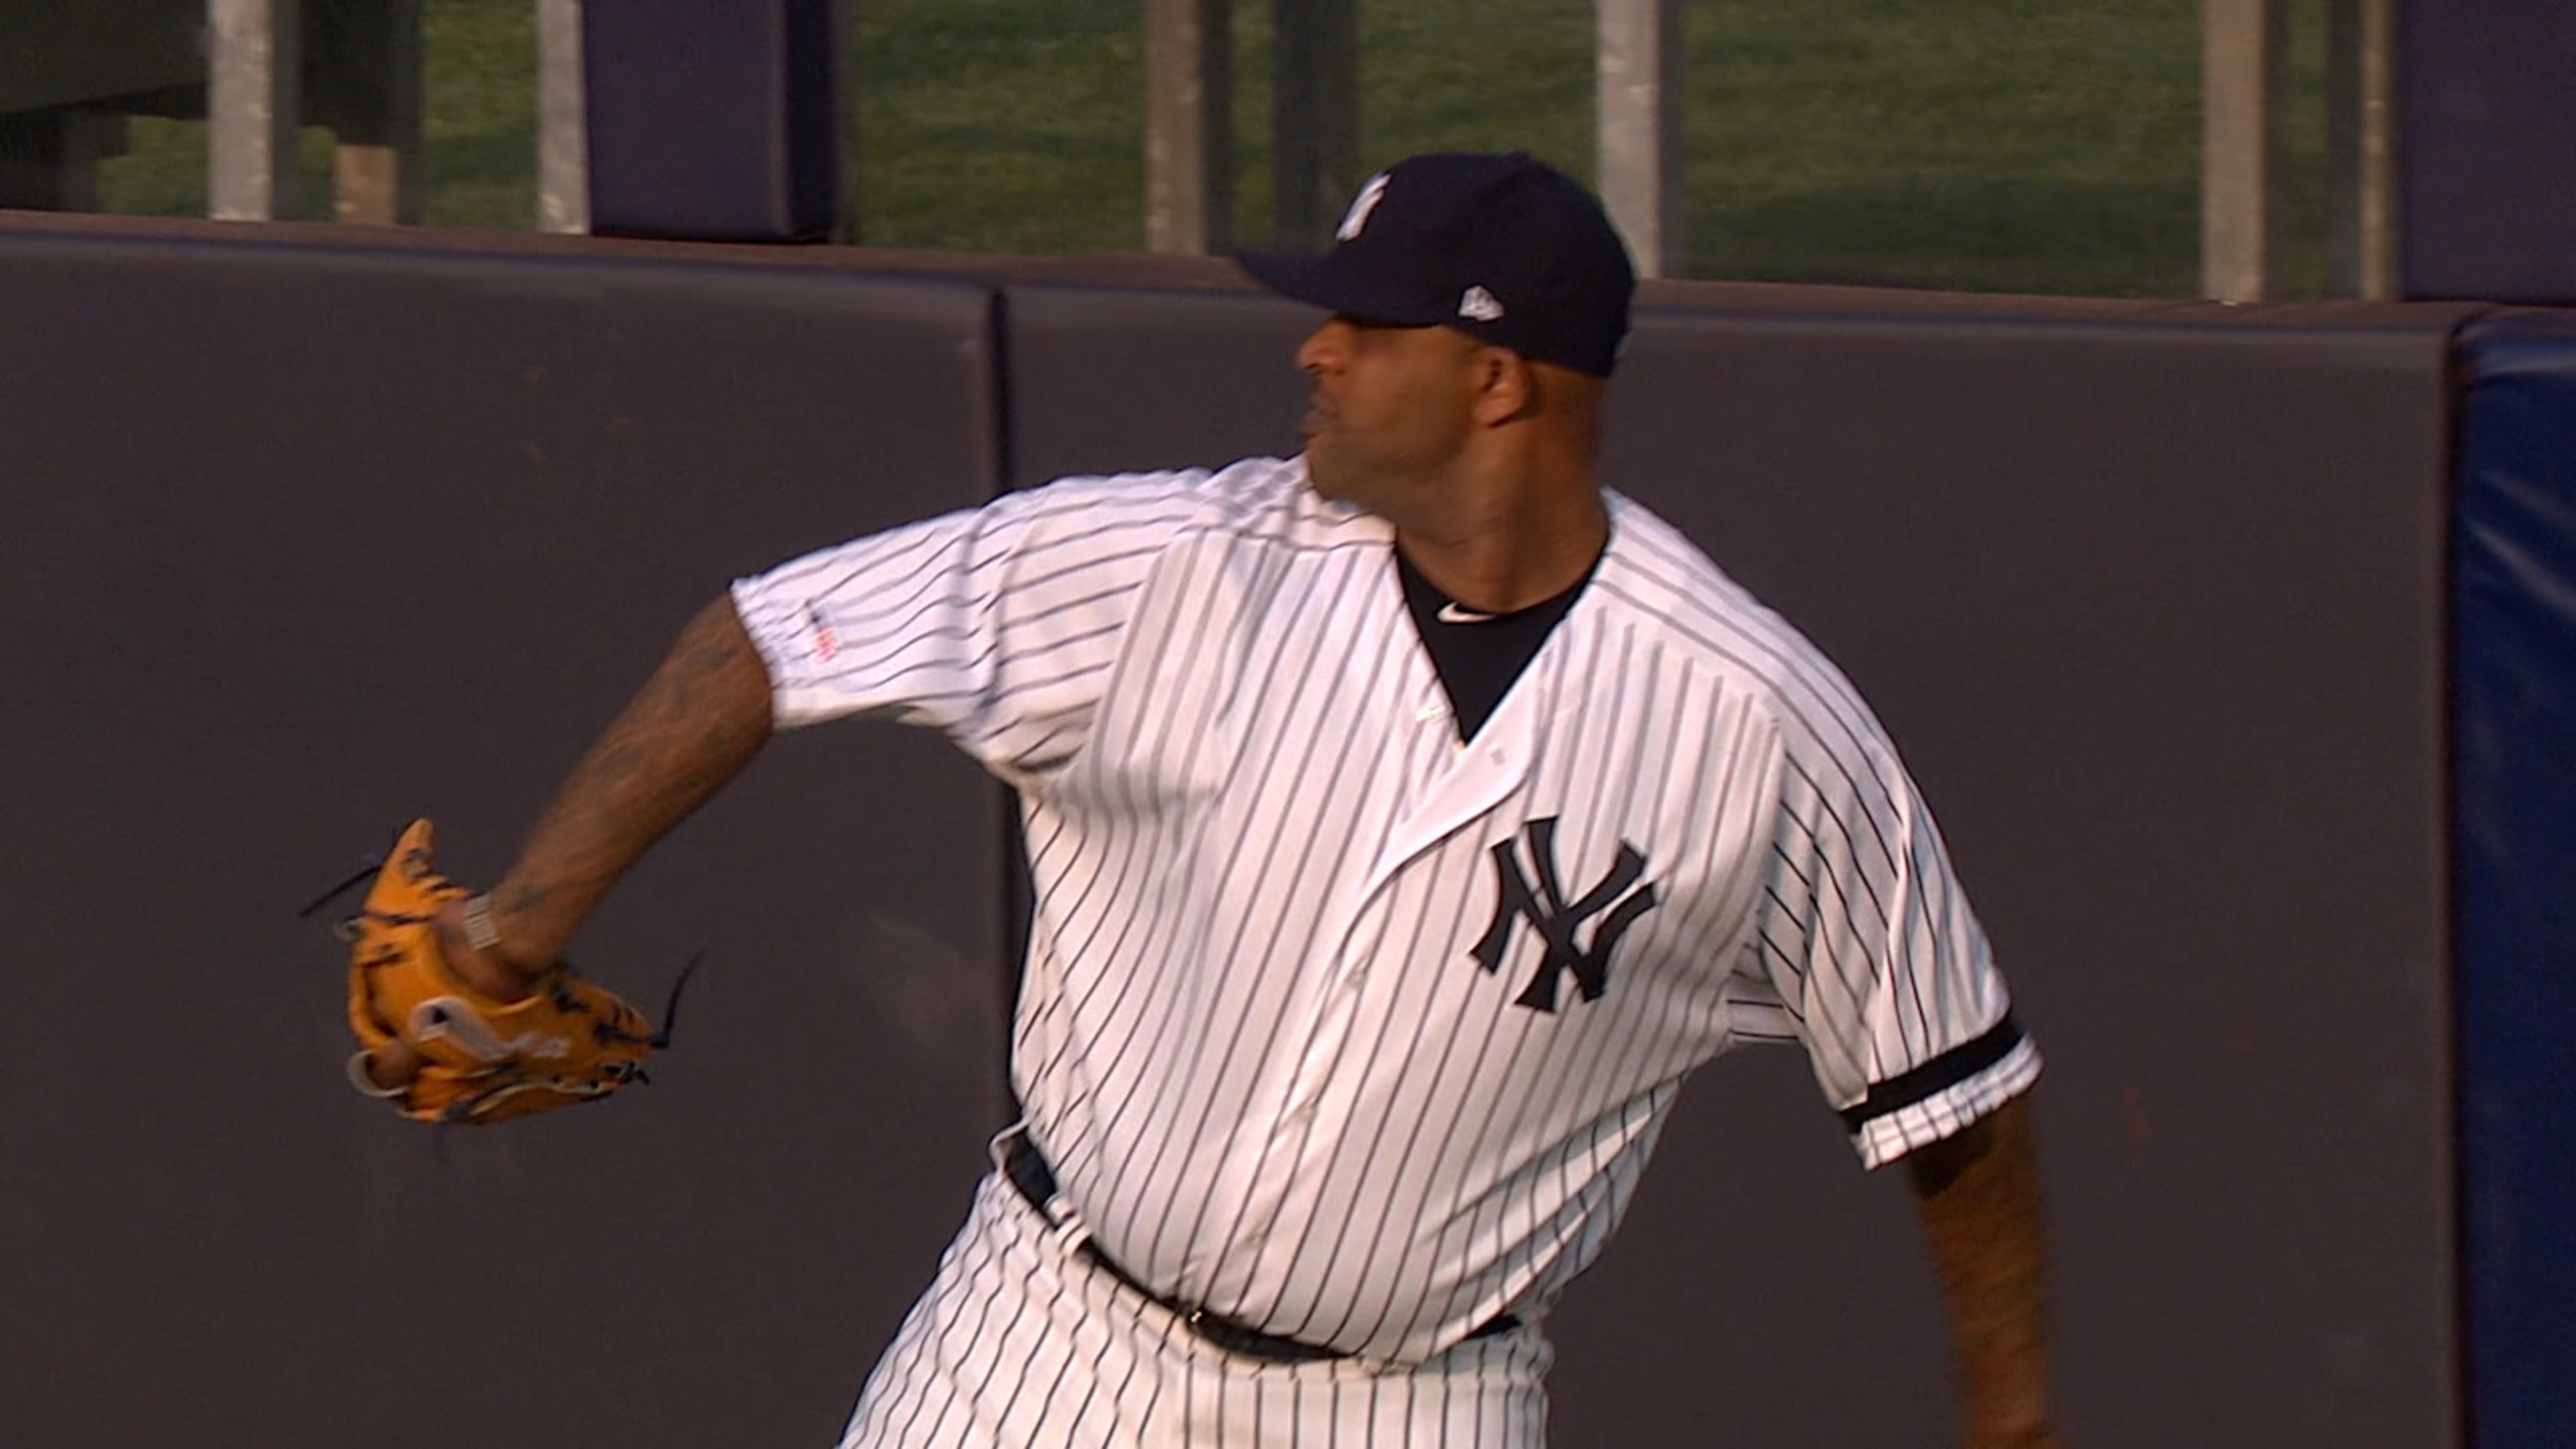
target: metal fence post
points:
(254, 99)
(1189, 195)
(1639, 89)
(563, 152)
(2244, 83)
(2361, 91)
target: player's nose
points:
(1322, 348)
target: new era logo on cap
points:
(1480, 305)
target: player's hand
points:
(451, 1027)
(393, 1065)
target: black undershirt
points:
(1478, 656)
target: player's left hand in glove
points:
(443, 1049)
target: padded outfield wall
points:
(311, 529)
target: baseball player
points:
(1408, 819)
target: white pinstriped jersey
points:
(1332, 1022)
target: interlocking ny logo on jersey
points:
(1621, 893)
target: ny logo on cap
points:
(1480, 305)
(1361, 205)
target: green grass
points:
(2006, 145)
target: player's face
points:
(1391, 410)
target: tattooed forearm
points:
(696, 722)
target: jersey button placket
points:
(1326, 1038)
(1300, 1102)
(1252, 1232)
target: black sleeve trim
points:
(1937, 1075)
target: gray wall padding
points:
(2153, 606)
(303, 542)
(304, 537)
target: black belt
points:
(1027, 1170)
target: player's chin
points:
(1324, 474)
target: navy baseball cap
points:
(1504, 248)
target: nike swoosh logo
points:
(1452, 614)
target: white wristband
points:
(479, 929)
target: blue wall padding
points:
(2515, 657)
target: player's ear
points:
(1505, 386)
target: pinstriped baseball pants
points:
(1022, 1344)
